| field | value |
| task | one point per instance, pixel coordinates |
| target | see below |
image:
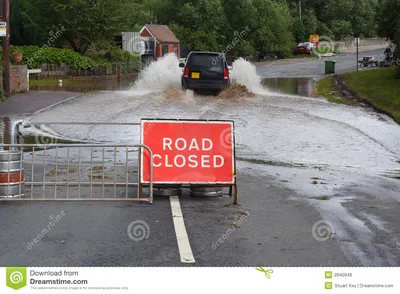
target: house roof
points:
(162, 33)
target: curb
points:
(55, 104)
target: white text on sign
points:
(192, 161)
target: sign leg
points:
(235, 194)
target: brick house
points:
(166, 41)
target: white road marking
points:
(180, 230)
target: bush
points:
(34, 57)
(128, 61)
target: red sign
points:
(184, 151)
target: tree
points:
(23, 28)
(88, 23)
(274, 27)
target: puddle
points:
(294, 86)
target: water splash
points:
(165, 74)
(160, 75)
(244, 73)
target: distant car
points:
(305, 48)
(205, 70)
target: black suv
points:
(205, 71)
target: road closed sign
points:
(188, 151)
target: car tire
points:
(183, 86)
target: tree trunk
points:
(73, 45)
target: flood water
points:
(272, 127)
(295, 86)
(84, 86)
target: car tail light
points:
(186, 72)
(226, 74)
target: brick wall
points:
(19, 81)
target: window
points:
(212, 62)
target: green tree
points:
(88, 23)
(23, 29)
(274, 27)
(299, 31)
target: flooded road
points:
(272, 127)
(310, 146)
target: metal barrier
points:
(51, 166)
(47, 167)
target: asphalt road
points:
(272, 230)
(310, 67)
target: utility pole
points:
(300, 9)
(357, 52)
(6, 49)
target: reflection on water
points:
(296, 86)
(84, 86)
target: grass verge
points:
(326, 87)
(378, 87)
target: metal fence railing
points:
(72, 172)
(49, 70)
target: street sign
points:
(314, 39)
(3, 28)
(188, 151)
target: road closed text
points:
(192, 160)
(188, 151)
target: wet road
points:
(304, 165)
(311, 66)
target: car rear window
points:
(213, 62)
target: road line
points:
(180, 230)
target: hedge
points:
(34, 57)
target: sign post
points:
(5, 34)
(189, 152)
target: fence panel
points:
(72, 172)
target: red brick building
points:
(166, 41)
